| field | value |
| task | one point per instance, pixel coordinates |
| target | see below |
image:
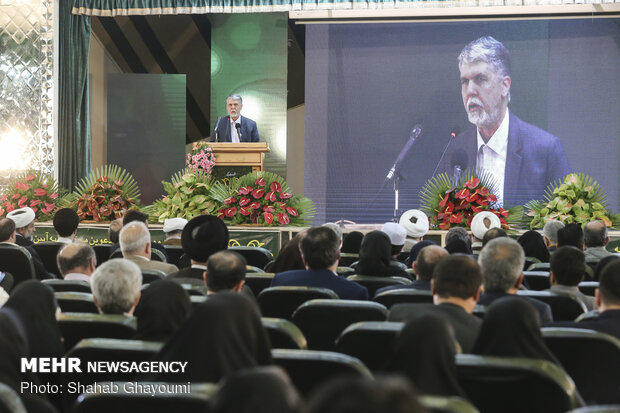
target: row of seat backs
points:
(539, 280)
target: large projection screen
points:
(369, 84)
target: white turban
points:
(22, 217)
(396, 232)
(415, 222)
(482, 222)
(174, 224)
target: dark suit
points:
(39, 268)
(249, 131)
(607, 322)
(534, 158)
(424, 285)
(346, 290)
(543, 308)
(466, 326)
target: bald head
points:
(135, 239)
(595, 234)
(78, 257)
(428, 258)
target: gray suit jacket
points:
(152, 265)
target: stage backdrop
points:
(368, 85)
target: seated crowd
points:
(474, 296)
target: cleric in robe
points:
(522, 158)
(234, 127)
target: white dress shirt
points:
(234, 136)
(492, 156)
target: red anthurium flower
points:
(118, 182)
(230, 200)
(462, 194)
(244, 201)
(476, 209)
(9, 208)
(1, 211)
(260, 182)
(445, 224)
(40, 192)
(35, 202)
(255, 205)
(285, 195)
(472, 183)
(15, 196)
(22, 186)
(230, 212)
(270, 196)
(482, 202)
(3, 198)
(22, 201)
(443, 202)
(482, 191)
(221, 213)
(244, 190)
(492, 198)
(472, 197)
(245, 211)
(292, 211)
(503, 222)
(275, 186)
(469, 219)
(268, 208)
(268, 217)
(29, 178)
(281, 205)
(503, 212)
(456, 218)
(283, 219)
(258, 193)
(449, 208)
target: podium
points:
(236, 159)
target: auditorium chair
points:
(258, 281)
(77, 326)
(48, 252)
(373, 283)
(251, 269)
(148, 276)
(254, 256)
(345, 271)
(175, 252)
(403, 296)
(609, 408)
(591, 358)
(480, 310)
(75, 302)
(322, 321)
(443, 404)
(564, 307)
(529, 262)
(126, 401)
(77, 286)
(281, 302)
(539, 266)
(537, 280)
(372, 342)
(588, 287)
(102, 253)
(347, 258)
(156, 255)
(17, 261)
(10, 402)
(196, 300)
(516, 385)
(309, 368)
(284, 334)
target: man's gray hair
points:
(594, 234)
(234, 96)
(488, 50)
(501, 262)
(550, 230)
(336, 229)
(116, 285)
(134, 237)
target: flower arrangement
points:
(31, 189)
(105, 194)
(575, 199)
(449, 207)
(200, 158)
(262, 198)
(188, 196)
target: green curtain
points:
(73, 112)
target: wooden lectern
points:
(249, 154)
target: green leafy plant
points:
(575, 199)
(31, 189)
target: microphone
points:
(459, 162)
(217, 134)
(453, 134)
(415, 133)
(238, 126)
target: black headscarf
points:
(511, 328)
(289, 257)
(257, 390)
(425, 352)
(221, 336)
(534, 246)
(458, 246)
(35, 305)
(13, 346)
(163, 307)
(352, 242)
(375, 256)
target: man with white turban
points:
(416, 224)
(23, 219)
(480, 224)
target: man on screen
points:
(522, 158)
(234, 127)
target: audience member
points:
(595, 239)
(116, 286)
(424, 353)
(568, 266)
(608, 301)
(336, 228)
(602, 264)
(458, 233)
(550, 234)
(163, 307)
(352, 242)
(501, 262)
(534, 247)
(480, 224)
(320, 252)
(225, 272)
(492, 234)
(135, 241)
(24, 225)
(257, 390)
(458, 246)
(13, 347)
(222, 335)
(417, 225)
(289, 257)
(397, 234)
(356, 395)
(66, 223)
(9, 235)
(375, 257)
(135, 215)
(415, 250)
(114, 230)
(456, 288)
(571, 234)
(76, 261)
(423, 268)
(511, 328)
(173, 228)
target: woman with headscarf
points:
(352, 242)
(511, 328)
(221, 336)
(163, 307)
(534, 246)
(425, 351)
(289, 257)
(375, 256)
